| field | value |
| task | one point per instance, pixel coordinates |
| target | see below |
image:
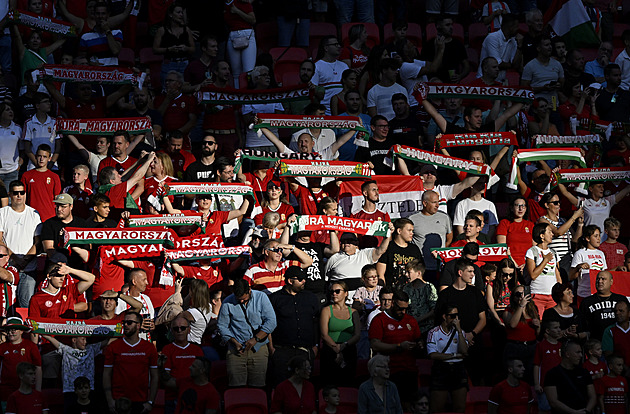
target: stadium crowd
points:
(314, 207)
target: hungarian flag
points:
(569, 19)
(399, 195)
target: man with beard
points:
(307, 70)
(120, 158)
(204, 168)
(180, 157)
(378, 146)
(405, 129)
(391, 265)
(369, 189)
(131, 368)
(511, 395)
(142, 100)
(297, 313)
(328, 69)
(198, 73)
(613, 102)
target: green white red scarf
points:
(47, 24)
(474, 139)
(75, 327)
(439, 160)
(102, 126)
(310, 121)
(258, 155)
(75, 235)
(443, 90)
(336, 169)
(487, 253)
(209, 188)
(342, 224)
(167, 220)
(582, 175)
(533, 155)
(96, 74)
(565, 141)
(231, 96)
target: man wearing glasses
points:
(379, 145)
(328, 69)
(203, 169)
(131, 368)
(19, 229)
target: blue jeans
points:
(5, 52)
(286, 27)
(8, 177)
(25, 289)
(364, 10)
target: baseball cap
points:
(272, 184)
(428, 169)
(63, 199)
(16, 323)
(349, 238)
(295, 272)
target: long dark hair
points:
(510, 214)
(530, 308)
(373, 65)
(498, 284)
(587, 232)
(167, 18)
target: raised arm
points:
(572, 199)
(507, 114)
(86, 278)
(240, 211)
(140, 172)
(85, 154)
(75, 20)
(341, 141)
(274, 139)
(57, 96)
(382, 248)
(119, 19)
(437, 117)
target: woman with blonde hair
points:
(162, 172)
(200, 311)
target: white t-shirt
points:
(40, 133)
(9, 151)
(19, 228)
(198, 327)
(328, 75)
(596, 260)
(342, 266)
(93, 161)
(409, 77)
(437, 340)
(543, 283)
(147, 310)
(595, 212)
(252, 140)
(380, 97)
(445, 192)
(486, 207)
(77, 363)
(325, 139)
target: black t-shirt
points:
(449, 275)
(405, 131)
(395, 258)
(92, 408)
(454, 53)
(198, 171)
(52, 229)
(24, 109)
(571, 386)
(585, 79)
(529, 48)
(469, 301)
(613, 107)
(107, 224)
(315, 281)
(565, 321)
(598, 313)
(297, 317)
(376, 152)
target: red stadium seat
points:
(317, 31)
(348, 399)
(266, 35)
(513, 78)
(290, 79)
(218, 375)
(477, 32)
(22, 313)
(477, 400)
(54, 399)
(127, 57)
(154, 63)
(589, 54)
(372, 29)
(473, 58)
(287, 60)
(245, 401)
(414, 33)
(458, 32)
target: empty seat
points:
(287, 60)
(245, 401)
(266, 35)
(154, 63)
(317, 31)
(477, 32)
(126, 57)
(477, 400)
(372, 30)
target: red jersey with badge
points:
(151, 185)
(10, 356)
(614, 252)
(376, 215)
(120, 166)
(598, 368)
(518, 237)
(108, 274)
(177, 113)
(181, 160)
(308, 199)
(178, 360)
(81, 206)
(8, 293)
(533, 205)
(204, 397)
(614, 391)
(212, 275)
(33, 403)
(547, 356)
(215, 221)
(156, 292)
(41, 189)
(511, 400)
(131, 364)
(285, 210)
(61, 304)
(391, 331)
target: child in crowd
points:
(26, 400)
(546, 357)
(331, 396)
(489, 273)
(593, 364)
(42, 185)
(612, 389)
(422, 296)
(365, 300)
(613, 250)
(271, 221)
(81, 191)
(588, 257)
(83, 404)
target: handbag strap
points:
(450, 339)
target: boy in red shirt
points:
(612, 389)
(26, 400)
(613, 250)
(546, 357)
(593, 364)
(42, 185)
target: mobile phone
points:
(527, 290)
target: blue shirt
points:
(594, 68)
(232, 322)
(347, 150)
(369, 401)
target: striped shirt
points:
(560, 244)
(97, 49)
(267, 280)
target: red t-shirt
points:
(535, 210)
(118, 165)
(285, 210)
(211, 275)
(614, 391)
(223, 119)
(108, 274)
(614, 252)
(547, 356)
(131, 364)
(181, 160)
(10, 356)
(41, 189)
(518, 237)
(391, 331)
(178, 112)
(376, 215)
(204, 397)
(216, 220)
(595, 368)
(511, 400)
(156, 292)
(117, 195)
(46, 305)
(95, 109)
(33, 403)
(9, 289)
(178, 360)
(357, 58)
(286, 399)
(151, 185)
(308, 204)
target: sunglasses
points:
(128, 322)
(336, 291)
(453, 315)
(179, 328)
(556, 203)
(209, 143)
(3, 255)
(275, 249)
(298, 278)
(18, 192)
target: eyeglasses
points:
(3, 255)
(179, 328)
(209, 143)
(129, 322)
(402, 308)
(555, 203)
(336, 291)
(23, 192)
(381, 126)
(520, 205)
(453, 315)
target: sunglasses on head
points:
(179, 328)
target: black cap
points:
(294, 272)
(427, 168)
(350, 238)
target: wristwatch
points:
(150, 402)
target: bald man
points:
(598, 310)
